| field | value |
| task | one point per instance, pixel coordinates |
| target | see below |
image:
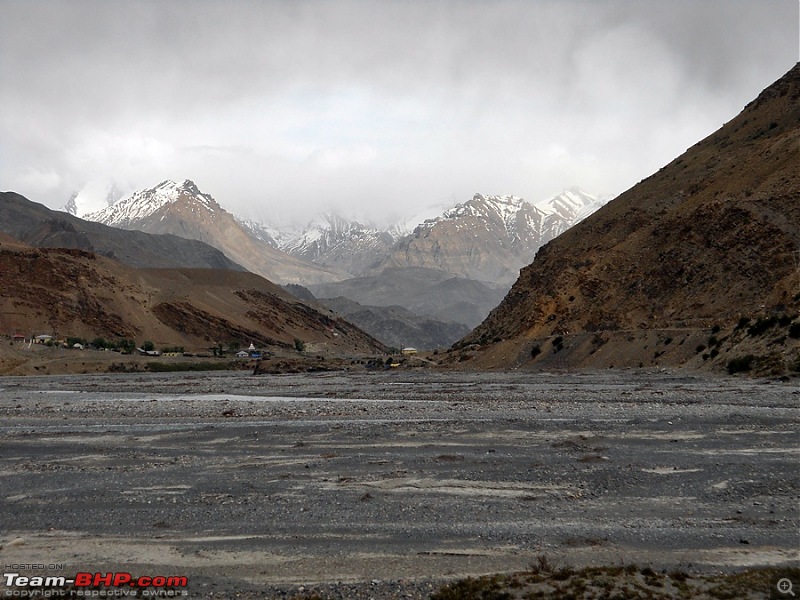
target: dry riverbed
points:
(387, 484)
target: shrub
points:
(536, 351)
(761, 325)
(178, 349)
(299, 345)
(794, 330)
(740, 364)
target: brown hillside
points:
(712, 237)
(69, 292)
(218, 228)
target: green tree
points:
(299, 345)
(126, 345)
(148, 346)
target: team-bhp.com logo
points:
(95, 584)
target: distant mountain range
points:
(334, 241)
(450, 270)
(487, 238)
(396, 326)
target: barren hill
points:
(70, 292)
(678, 262)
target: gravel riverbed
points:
(385, 485)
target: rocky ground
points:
(388, 484)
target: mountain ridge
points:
(182, 209)
(489, 238)
(37, 225)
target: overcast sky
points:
(376, 108)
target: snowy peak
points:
(143, 204)
(324, 232)
(511, 213)
(572, 205)
(260, 231)
(489, 238)
(334, 241)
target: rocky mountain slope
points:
(489, 238)
(37, 225)
(426, 292)
(182, 209)
(71, 292)
(396, 326)
(695, 265)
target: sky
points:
(376, 109)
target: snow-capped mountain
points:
(141, 205)
(490, 238)
(406, 225)
(566, 209)
(182, 209)
(269, 235)
(511, 214)
(334, 241)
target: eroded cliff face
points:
(710, 239)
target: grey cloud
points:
(282, 106)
